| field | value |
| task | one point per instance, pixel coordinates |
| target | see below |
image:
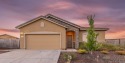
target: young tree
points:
(91, 44)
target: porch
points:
(72, 39)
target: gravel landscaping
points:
(96, 57)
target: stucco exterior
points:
(100, 38)
(51, 32)
(48, 27)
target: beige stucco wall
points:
(81, 36)
(101, 36)
(48, 27)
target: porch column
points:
(77, 38)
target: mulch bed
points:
(96, 57)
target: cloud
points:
(61, 5)
(116, 4)
(109, 13)
(12, 32)
(116, 35)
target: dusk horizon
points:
(108, 14)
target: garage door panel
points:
(43, 41)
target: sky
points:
(108, 14)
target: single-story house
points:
(53, 33)
(6, 36)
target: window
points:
(42, 24)
(84, 38)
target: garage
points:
(43, 41)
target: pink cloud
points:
(81, 22)
(107, 14)
(115, 35)
(61, 5)
(16, 34)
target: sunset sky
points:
(108, 13)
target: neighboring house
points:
(6, 36)
(51, 32)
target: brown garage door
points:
(43, 41)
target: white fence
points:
(120, 42)
(10, 43)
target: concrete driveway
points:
(30, 56)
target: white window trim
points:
(43, 33)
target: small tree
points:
(91, 44)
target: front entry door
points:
(69, 41)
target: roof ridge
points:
(30, 21)
(50, 15)
(35, 19)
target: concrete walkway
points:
(30, 56)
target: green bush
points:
(82, 51)
(81, 45)
(96, 47)
(101, 47)
(91, 44)
(118, 48)
(110, 47)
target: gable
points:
(42, 25)
(60, 20)
(37, 19)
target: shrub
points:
(81, 45)
(118, 48)
(101, 47)
(82, 51)
(91, 44)
(69, 57)
(97, 46)
(104, 52)
(120, 52)
(110, 47)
